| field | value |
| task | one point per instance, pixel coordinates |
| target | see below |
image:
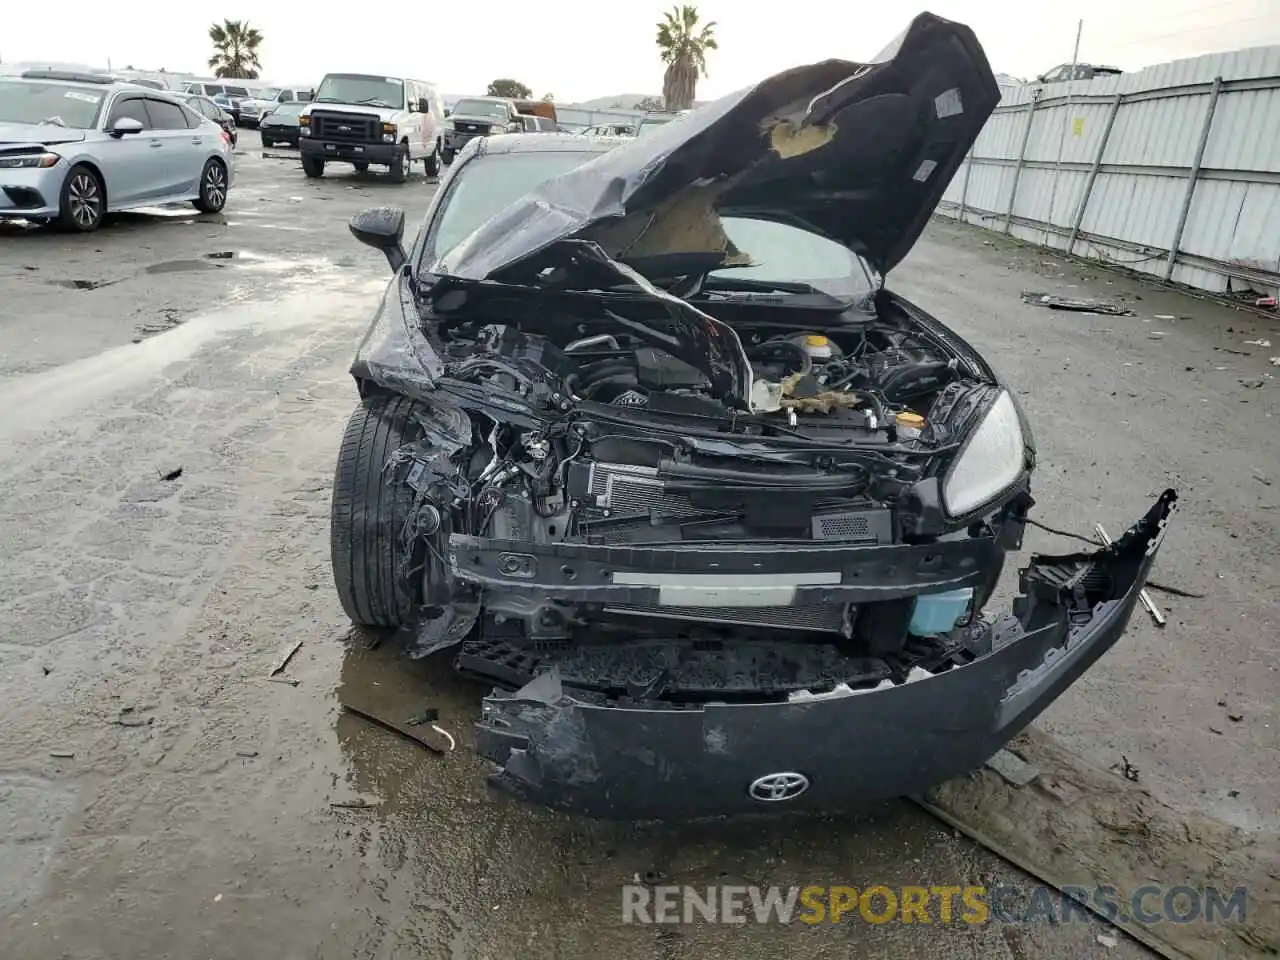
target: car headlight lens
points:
(496, 128)
(990, 462)
(29, 160)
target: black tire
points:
(213, 187)
(446, 155)
(399, 167)
(313, 166)
(361, 166)
(83, 200)
(432, 163)
(267, 143)
(368, 516)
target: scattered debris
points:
(352, 804)
(218, 898)
(1128, 770)
(129, 718)
(402, 731)
(1165, 316)
(1265, 303)
(1253, 384)
(1012, 768)
(1053, 302)
(284, 661)
(1235, 717)
(1258, 343)
(172, 475)
(291, 681)
(62, 754)
(429, 715)
(1233, 794)
(1143, 596)
(1215, 730)
(1275, 361)
(221, 255)
(1107, 940)
(247, 754)
(1156, 335)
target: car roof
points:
(544, 143)
(71, 78)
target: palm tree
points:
(684, 50)
(236, 45)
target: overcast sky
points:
(579, 50)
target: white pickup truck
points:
(362, 119)
(264, 101)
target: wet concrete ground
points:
(161, 796)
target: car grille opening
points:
(345, 127)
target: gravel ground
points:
(161, 797)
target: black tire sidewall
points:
(399, 169)
(65, 219)
(203, 203)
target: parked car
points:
(74, 147)
(713, 509)
(361, 119)
(1077, 71)
(478, 117)
(227, 95)
(610, 130)
(281, 125)
(263, 102)
(532, 124)
(211, 111)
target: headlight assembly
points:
(989, 463)
(29, 160)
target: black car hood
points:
(858, 152)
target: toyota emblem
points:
(775, 787)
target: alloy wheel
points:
(215, 185)
(85, 199)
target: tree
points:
(548, 98)
(683, 48)
(236, 50)
(511, 89)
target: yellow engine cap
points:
(909, 419)
(816, 340)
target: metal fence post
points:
(1192, 177)
(1093, 174)
(1022, 157)
(964, 189)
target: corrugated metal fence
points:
(1172, 171)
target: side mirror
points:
(125, 125)
(383, 229)
(423, 105)
(448, 112)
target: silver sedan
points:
(74, 147)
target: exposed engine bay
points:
(569, 435)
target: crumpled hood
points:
(37, 134)
(858, 152)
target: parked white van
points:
(360, 118)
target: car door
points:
(417, 133)
(128, 162)
(183, 149)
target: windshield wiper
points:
(326, 100)
(53, 121)
(373, 102)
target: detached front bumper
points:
(826, 750)
(383, 153)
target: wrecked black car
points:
(646, 442)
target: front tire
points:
(432, 163)
(361, 166)
(372, 564)
(447, 156)
(83, 200)
(313, 166)
(213, 188)
(399, 166)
